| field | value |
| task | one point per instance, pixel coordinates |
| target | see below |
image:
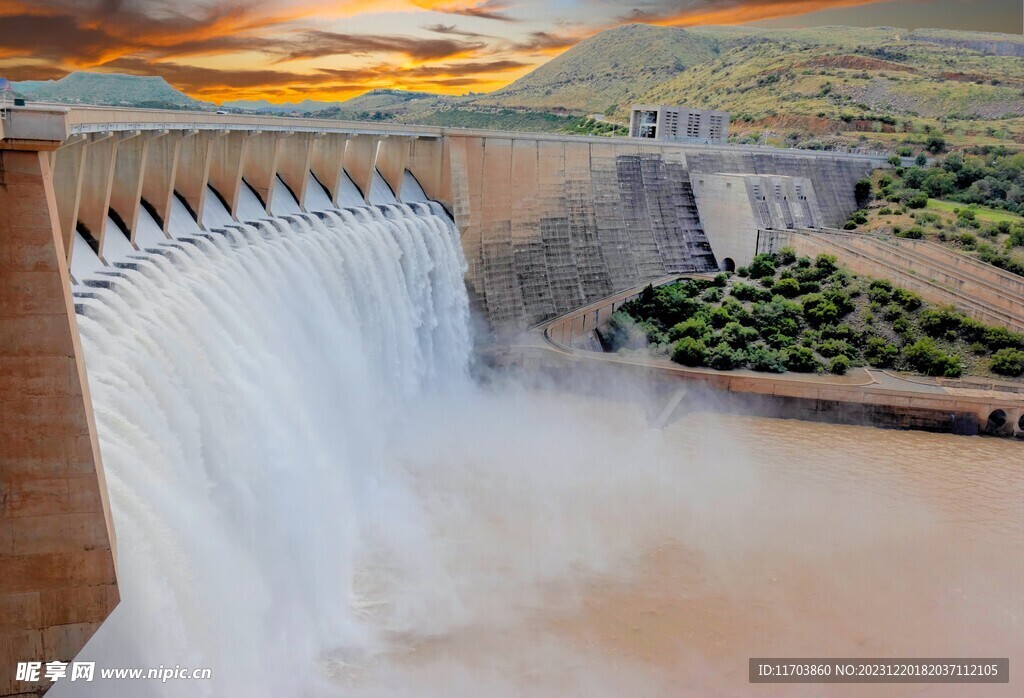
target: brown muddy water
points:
(571, 550)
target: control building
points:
(663, 123)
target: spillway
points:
(244, 383)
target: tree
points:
(936, 142)
(921, 160)
(862, 191)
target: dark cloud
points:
(54, 38)
(452, 30)
(449, 70)
(726, 11)
(315, 44)
(489, 9)
(18, 73)
(544, 42)
(193, 78)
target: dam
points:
(117, 225)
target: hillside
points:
(823, 87)
(610, 68)
(109, 89)
(389, 105)
(885, 85)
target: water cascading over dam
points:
(244, 384)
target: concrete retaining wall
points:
(551, 225)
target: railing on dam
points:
(88, 119)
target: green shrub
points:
(1008, 362)
(738, 336)
(746, 292)
(938, 321)
(720, 317)
(880, 353)
(801, 360)
(786, 255)
(908, 299)
(787, 288)
(724, 358)
(713, 294)
(892, 311)
(839, 365)
(880, 291)
(849, 225)
(843, 331)
(819, 310)
(901, 326)
(762, 266)
(841, 300)
(917, 201)
(1001, 338)
(826, 263)
(1016, 238)
(885, 211)
(695, 328)
(833, 347)
(721, 279)
(913, 233)
(967, 241)
(689, 352)
(925, 357)
(743, 272)
(765, 359)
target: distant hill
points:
(307, 105)
(609, 68)
(109, 89)
(389, 105)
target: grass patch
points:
(983, 213)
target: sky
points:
(290, 50)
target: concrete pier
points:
(57, 554)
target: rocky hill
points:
(610, 68)
(109, 89)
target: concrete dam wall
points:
(549, 225)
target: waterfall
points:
(245, 383)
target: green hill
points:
(109, 89)
(612, 67)
(884, 85)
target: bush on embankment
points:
(810, 315)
